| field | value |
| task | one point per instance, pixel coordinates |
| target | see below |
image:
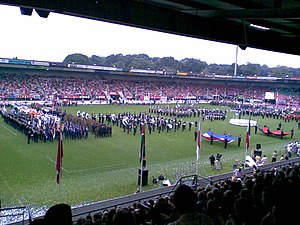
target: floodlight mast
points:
(236, 57)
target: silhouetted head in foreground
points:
(59, 214)
(185, 199)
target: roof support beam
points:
(143, 15)
(280, 13)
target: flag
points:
(60, 153)
(198, 149)
(250, 162)
(143, 142)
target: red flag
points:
(60, 153)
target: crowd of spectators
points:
(48, 88)
(261, 198)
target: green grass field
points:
(102, 168)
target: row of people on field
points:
(45, 126)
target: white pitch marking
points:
(94, 168)
(9, 130)
(55, 163)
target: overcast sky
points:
(53, 38)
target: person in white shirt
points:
(218, 164)
(264, 160)
(237, 173)
(281, 158)
(274, 156)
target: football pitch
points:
(96, 169)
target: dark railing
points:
(15, 214)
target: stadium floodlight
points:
(26, 11)
(42, 13)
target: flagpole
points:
(247, 143)
(141, 176)
(277, 99)
(59, 189)
(236, 58)
(142, 155)
(59, 162)
(59, 184)
(199, 142)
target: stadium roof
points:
(272, 25)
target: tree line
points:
(143, 61)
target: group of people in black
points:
(162, 118)
(79, 127)
(186, 111)
(284, 114)
(37, 125)
(40, 125)
(215, 161)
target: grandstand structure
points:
(126, 85)
(252, 23)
